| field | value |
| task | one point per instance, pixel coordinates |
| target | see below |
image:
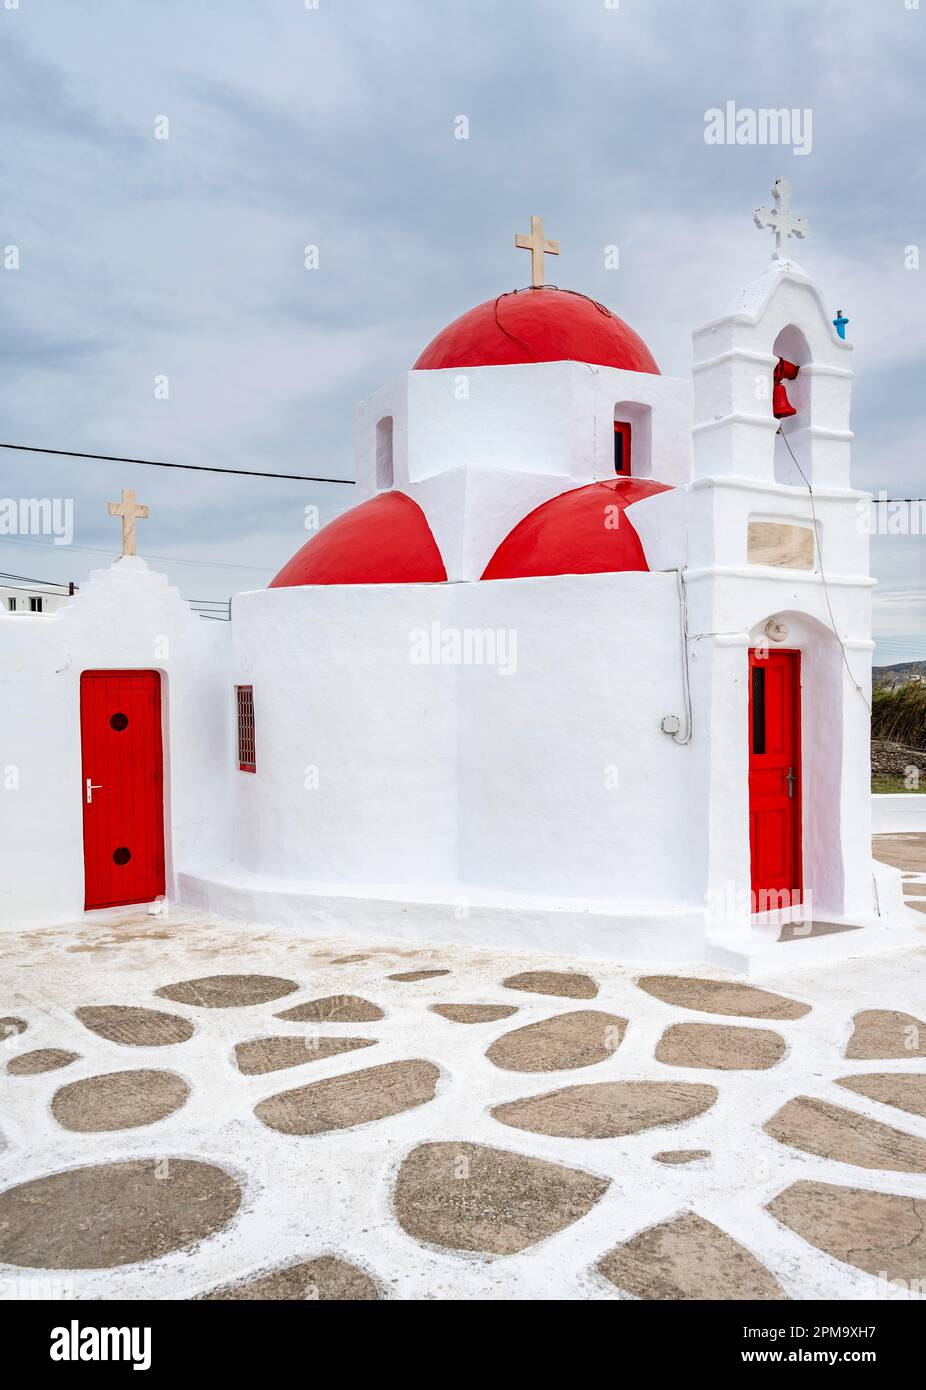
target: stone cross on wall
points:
(129, 512)
(536, 245)
(780, 221)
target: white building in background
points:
(586, 670)
(46, 597)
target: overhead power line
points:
(103, 550)
(191, 467)
(31, 579)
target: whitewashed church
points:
(587, 670)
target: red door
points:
(775, 778)
(122, 787)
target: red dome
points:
(386, 540)
(576, 533)
(538, 325)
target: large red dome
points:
(538, 325)
(386, 540)
(583, 531)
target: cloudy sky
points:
(292, 123)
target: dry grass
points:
(899, 714)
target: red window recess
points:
(622, 448)
(247, 761)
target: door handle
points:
(91, 788)
(790, 779)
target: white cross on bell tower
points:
(780, 221)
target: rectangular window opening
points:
(758, 709)
(622, 448)
(247, 761)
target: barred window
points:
(246, 753)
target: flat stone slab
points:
(688, 1258)
(112, 1214)
(324, 1280)
(878, 1232)
(334, 1008)
(472, 1197)
(410, 976)
(607, 1109)
(559, 1043)
(350, 960)
(132, 1027)
(807, 931)
(11, 1027)
(565, 984)
(41, 1059)
(353, 1099)
(676, 1157)
(829, 1131)
(903, 851)
(228, 991)
(260, 1055)
(721, 997)
(118, 1100)
(902, 1090)
(474, 1013)
(720, 1046)
(881, 1033)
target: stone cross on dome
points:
(130, 513)
(536, 245)
(780, 221)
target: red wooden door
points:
(775, 778)
(122, 787)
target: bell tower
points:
(778, 560)
(775, 348)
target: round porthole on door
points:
(119, 722)
(121, 855)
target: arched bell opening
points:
(792, 407)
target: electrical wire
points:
(686, 680)
(172, 559)
(191, 467)
(31, 580)
(826, 590)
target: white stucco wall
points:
(126, 618)
(447, 776)
(898, 812)
(568, 785)
(335, 691)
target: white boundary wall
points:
(126, 618)
(895, 813)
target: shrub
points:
(898, 713)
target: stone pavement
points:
(192, 1108)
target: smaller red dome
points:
(386, 540)
(538, 325)
(583, 531)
